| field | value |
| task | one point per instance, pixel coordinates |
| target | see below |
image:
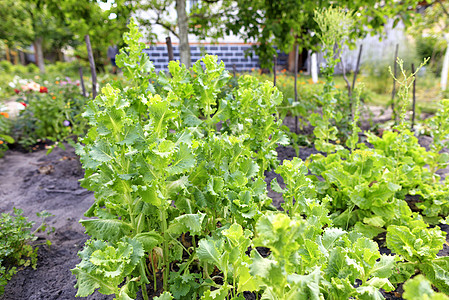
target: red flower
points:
(23, 103)
(16, 91)
(43, 89)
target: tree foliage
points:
(282, 23)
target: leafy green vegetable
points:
(420, 288)
(173, 160)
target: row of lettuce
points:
(177, 163)
(178, 169)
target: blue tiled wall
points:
(229, 54)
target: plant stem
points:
(153, 267)
(144, 292)
(165, 249)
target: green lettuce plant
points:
(419, 288)
(418, 246)
(371, 188)
(308, 257)
(170, 164)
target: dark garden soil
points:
(36, 182)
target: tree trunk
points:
(22, 58)
(445, 70)
(39, 54)
(291, 60)
(184, 47)
(60, 55)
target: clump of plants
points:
(373, 190)
(51, 112)
(15, 249)
(5, 128)
(172, 164)
(177, 168)
(334, 24)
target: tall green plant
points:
(169, 162)
(334, 25)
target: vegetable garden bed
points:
(35, 181)
(186, 206)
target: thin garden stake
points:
(275, 64)
(82, 82)
(296, 89)
(414, 96)
(92, 66)
(356, 71)
(169, 49)
(393, 93)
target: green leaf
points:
(416, 245)
(207, 252)
(131, 134)
(7, 138)
(184, 286)
(307, 286)
(174, 187)
(383, 268)
(419, 288)
(103, 267)
(437, 271)
(111, 229)
(375, 221)
(192, 223)
(165, 148)
(101, 152)
(219, 294)
(339, 266)
(151, 195)
(182, 162)
(87, 283)
(149, 240)
(330, 236)
(369, 293)
(276, 187)
(381, 283)
(215, 185)
(124, 292)
(368, 230)
(246, 282)
(260, 266)
(164, 296)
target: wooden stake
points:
(296, 89)
(414, 96)
(82, 81)
(169, 49)
(22, 57)
(275, 65)
(393, 93)
(356, 71)
(92, 66)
